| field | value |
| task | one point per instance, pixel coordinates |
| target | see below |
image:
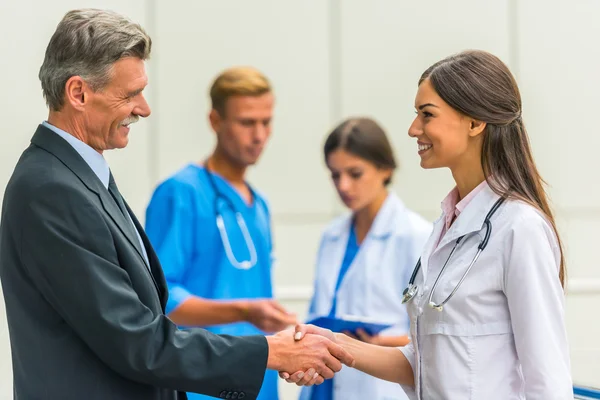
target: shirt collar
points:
(452, 207)
(94, 159)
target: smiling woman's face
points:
(443, 134)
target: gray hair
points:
(87, 43)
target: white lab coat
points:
(502, 336)
(372, 287)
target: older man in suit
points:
(84, 291)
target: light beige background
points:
(328, 60)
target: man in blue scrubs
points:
(212, 230)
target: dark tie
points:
(114, 191)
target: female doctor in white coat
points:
(366, 255)
(500, 334)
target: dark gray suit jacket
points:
(85, 314)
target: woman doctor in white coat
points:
(500, 334)
(366, 255)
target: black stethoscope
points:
(244, 264)
(412, 289)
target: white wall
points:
(559, 82)
(328, 60)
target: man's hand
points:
(268, 315)
(387, 363)
(307, 378)
(316, 354)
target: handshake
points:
(307, 355)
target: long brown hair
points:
(480, 85)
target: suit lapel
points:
(53, 143)
(121, 221)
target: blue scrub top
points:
(181, 225)
(324, 391)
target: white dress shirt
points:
(98, 164)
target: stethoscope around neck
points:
(412, 289)
(244, 264)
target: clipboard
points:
(350, 324)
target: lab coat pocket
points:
(466, 346)
(498, 382)
(456, 357)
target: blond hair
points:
(237, 81)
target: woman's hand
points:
(307, 378)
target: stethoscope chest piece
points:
(409, 293)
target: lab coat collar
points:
(386, 222)
(471, 219)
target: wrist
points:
(339, 338)
(274, 346)
(243, 310)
